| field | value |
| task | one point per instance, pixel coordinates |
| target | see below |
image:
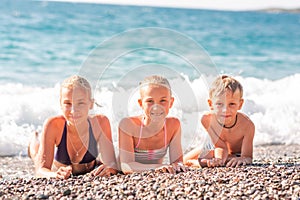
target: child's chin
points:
(75, 121)
(156, 118)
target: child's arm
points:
(45, 156)
(218, 156)
(246, 150)
(107, 151)
(192, 155)
(191, 158)
(175, 151)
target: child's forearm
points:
(194, 154)
(45, 173)
(221, 153)
(218, 158)
(192, 163)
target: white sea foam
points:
(272, 105)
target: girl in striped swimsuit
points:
(144, 140)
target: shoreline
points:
(275, 173)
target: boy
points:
(230, 131)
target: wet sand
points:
(274, 174)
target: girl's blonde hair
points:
(76, 81)
(223, 83)
(156, 80)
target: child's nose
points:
(156, 107)
(224, 108)
(73, 109)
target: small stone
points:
(42, 196)
(67, 192)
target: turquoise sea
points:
(44, 42)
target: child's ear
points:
(210, 104)
(241, 103)
(140, 102)
(171, 102)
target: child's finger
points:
(63, 173)
(229, 164)
(182, 168)
(241, 162)
(171, 169)
(97, 171)
(106, 171)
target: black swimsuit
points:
(62, 155)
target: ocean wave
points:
(271, 104)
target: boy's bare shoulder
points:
(206, 119)
(245, 120)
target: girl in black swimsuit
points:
(70, 143)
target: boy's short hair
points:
(76, 81)
(223, 83)
(156, 80)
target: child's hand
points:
(238, 161)
(214, 162)
(64, 172)
(192, 163)
(166, 169)
(179, 167)
(103, 170)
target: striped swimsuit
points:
(150, 156)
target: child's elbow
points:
(126, 169)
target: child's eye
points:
(81, 103)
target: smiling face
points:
(75, 104)
(226, 106)
(155, 101)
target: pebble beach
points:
(274, 174)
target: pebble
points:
(273, 175)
